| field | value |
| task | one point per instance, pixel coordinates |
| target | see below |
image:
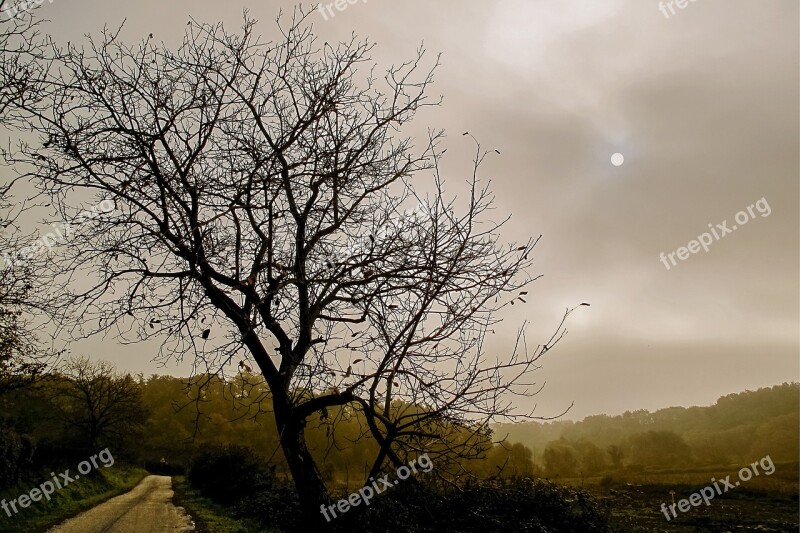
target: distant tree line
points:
(88, 405)
(737, 429)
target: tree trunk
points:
(309, 485)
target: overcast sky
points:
(702, 104)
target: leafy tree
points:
(616, 453)
(658, 448)
(560, 459)
(592, 458)
(510, 460)
(16, 452)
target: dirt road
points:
(147, 508)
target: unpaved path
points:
(147, 508)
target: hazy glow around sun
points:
(521, 30)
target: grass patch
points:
(80, 495)
(208, 516)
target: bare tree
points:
(23, 358)
(20, 355)
(260, 191)
(23, 355)
(20, 47)
(102, 405)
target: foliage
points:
(210, 517)
(236, 460)
(516, 504)
(561, 460)
(738, 428)
(235, 476)
(658, 448)
(16, 454)
(102, 406)
(229, 473)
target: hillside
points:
(738, 428)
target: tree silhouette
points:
(20, 50)
(260, 191)
(102, 405)
(616, 453)
(21, 358)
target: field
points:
(764, 503)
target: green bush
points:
(16, 453)
(277, 507)
(228, 474)
(519, 504)
(236, 478)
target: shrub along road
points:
(148, 507)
